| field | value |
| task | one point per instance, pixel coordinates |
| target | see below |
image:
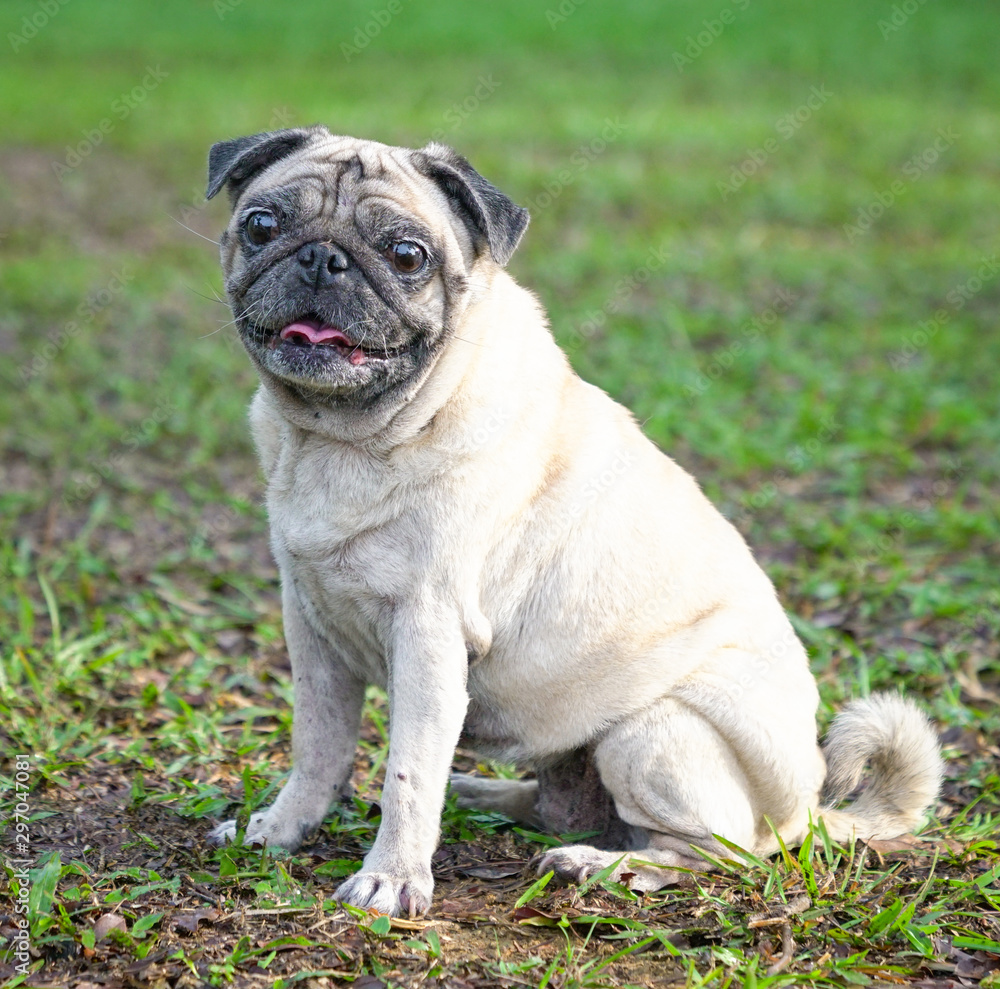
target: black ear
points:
(236, 162)
(492, 214)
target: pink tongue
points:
(316, 334)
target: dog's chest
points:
(338, 531)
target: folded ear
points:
(236, 162)
(490, 214)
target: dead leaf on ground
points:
(491, 870)
(974, 965)
(107, 923)
(973, 689)
(189, 919)
(533, 917)
(405, 924)
(464, 909)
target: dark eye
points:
(407, 257)
(262, 227)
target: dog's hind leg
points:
(517, 799)
(677, 781)
(567, 796)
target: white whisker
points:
(195, 232)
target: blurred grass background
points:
(769, 228)
(857, 451)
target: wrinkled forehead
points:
(340, 175)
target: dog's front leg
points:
(328, 701)
(427, 703)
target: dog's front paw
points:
(263, 829)
(410, 896)
(578, 863)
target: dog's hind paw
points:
(578, 863)
(645, 870)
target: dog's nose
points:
(320, 262)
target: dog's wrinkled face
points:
(346, 261)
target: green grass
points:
(832, 387)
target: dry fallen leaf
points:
(532, 917)
(107, 923)
(463, 909)
(405, 924)
(972, 687)
(189, 920)
(491, 870)
(368, 982)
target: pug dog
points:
(460, 519)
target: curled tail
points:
(894, 739)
